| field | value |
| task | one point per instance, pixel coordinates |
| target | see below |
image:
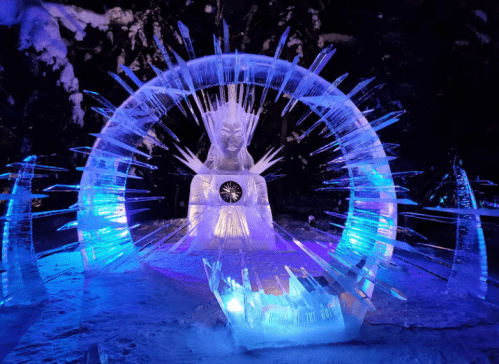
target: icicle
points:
(398, 189)
(14, 175)
(132, 75)
(226, 37)
(325, 147)
(107, 172)
(385, 124)
(423, 269)
(175, 76)
(237, 70)
(35, 215)
(141, 199)
(9, 196)
(466, 211)
(406, 174)
(116, 142)
(220, 68)
(359, 87)
(122, 83)
(339, 80)
(167, 85)
(69, 225)
(287, 77)
(300, 289)
(184, 32)
(317, 123)
(37, 167)
(167, 129)
(368, 94)
(320, 61)
(107, 113)
(366, 274)
(188, 79)
(131, 128)
(151, 234)
(251, 100)
(108, 155)
(62, 188)
(400, 201)
(50, 252)
(372, 162)
(270, 74)
(306, 115)
(163, 240)
(100, 99)
(273, 176)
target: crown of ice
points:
(232, 111)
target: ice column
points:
(469, 271)
(21, 282)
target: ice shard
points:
(469, 271)
(21, 283)
(320, 298)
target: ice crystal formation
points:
(274, 289)
(21, 283)
(321, 289)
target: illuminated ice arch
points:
(370, 229)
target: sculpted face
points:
(231, 138)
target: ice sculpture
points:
(325, 306)
(21, 282)
(469, 271)
(228, 199)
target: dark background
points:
(437, 58)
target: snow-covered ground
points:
(159, 316)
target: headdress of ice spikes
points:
(231, 111)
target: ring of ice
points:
(311, 310)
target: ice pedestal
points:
(233, 208)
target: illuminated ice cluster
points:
(274, 289)
(229, 213)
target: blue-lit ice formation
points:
(469, 272)
(308, 308)
(21, 283)
(228, 202)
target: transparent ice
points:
(21, 282)
(229, 217)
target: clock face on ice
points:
(231, 192)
